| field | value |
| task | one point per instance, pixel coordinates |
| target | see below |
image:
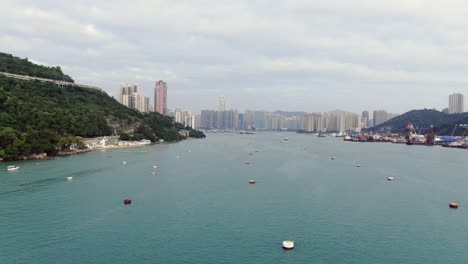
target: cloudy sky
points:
(291, 55)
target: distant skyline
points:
(311, 56)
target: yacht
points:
(13, 168)
(390, 178)
(286, 138)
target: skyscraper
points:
(160, 97)
(126, 94)
(456, 103)
(380, 116)
(364, 119)
(222, 103)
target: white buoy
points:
(288, 244)
(69, 178)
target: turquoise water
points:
(199, 208)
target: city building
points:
(364, 119)
(160, 97)
(380, 116)
(456, 103)
(128, 96)
(222, 103)
(211, 119)
(126, 93)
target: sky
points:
(293, 55)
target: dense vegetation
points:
(423, 120)
(38, 117)
(11, 64)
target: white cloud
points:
(248, 49)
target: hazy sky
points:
(291, 55)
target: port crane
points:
(409, 132)
(430, 137)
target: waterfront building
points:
(160, 97)
(249, 119)
(183, 116)
(380, 116)
(197, 121)
(456, 103)
(364, 119)
(241, 119)
(211, 119)
(260, 120)
(222, 103)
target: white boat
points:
(13, 168)
(69, 178)
(286, 138)
(333, 158)
(288, 244)
(154, 167)
(124, 162)
(358, 165)
(390, 178)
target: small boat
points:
(390, 178)
(178, 157)
(453, 205)
(288, 244)
(13, 168)
(252, 181)
(153, 173)
(127, 201)
(286, 139)
(69, 178)
(358, 165)
(154, 167)
(247, 162)
(333, 158)
(38, 164)
(124, 162)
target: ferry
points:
(13, 168)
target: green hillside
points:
(38, 117)
(423, 120)
(16, 65)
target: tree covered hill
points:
(16, 65)
(38, 117)
(422, 120)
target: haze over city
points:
(290, 55)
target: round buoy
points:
(288, 244)
(127, 201)
(252, 181)
(453, 205)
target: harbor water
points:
(200, 208)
